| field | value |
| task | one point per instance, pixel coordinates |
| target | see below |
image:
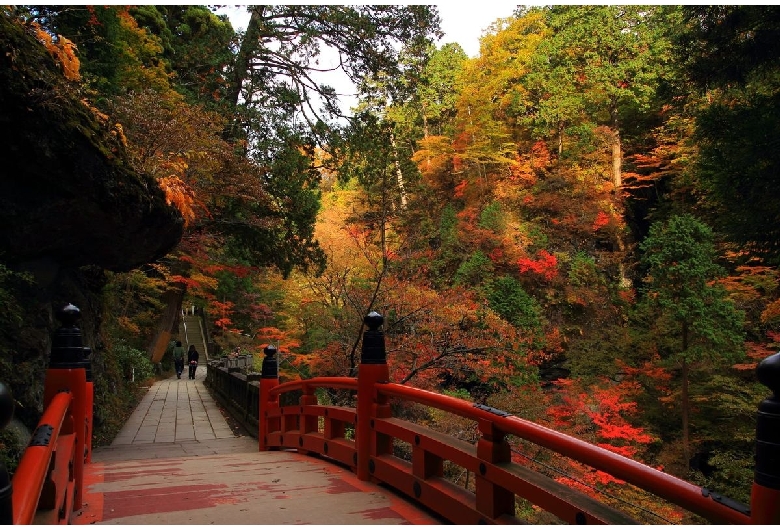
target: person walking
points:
(192, 359)
(178, 358)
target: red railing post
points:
(89, 389)
(68, 371)
(492, 447)
(269, 379)
(306, 422)
(765, 495)
(372, 369)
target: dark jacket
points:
(192, 355)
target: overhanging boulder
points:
(67, 192)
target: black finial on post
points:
(6, 488)
(270, 363)
(373, 351)
(67, 350)
(768, 425)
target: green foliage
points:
(11, 450)
(582, 271)
(448, 224)
(196, 46)
(460, 393)
(492, 218)
(439, 88)
(449, 253)
(10, 282)
(474, 270)
(116, 55)
(726, 427)
(133, 302)
(134, 364)
(680, 259)
(286, 237)
(729, 56)
(507, 297)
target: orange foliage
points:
(63, 51)
(187, 282)
(180, 195)
(599, 414)
(756, 353)
(460, 189)
(522, 171)
(434, 159)
(540, 156)
(601, 221)
(771, 312)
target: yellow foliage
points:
(434, 159)
(128, 325)
(205, 282)
(119, 132)
(63, 51)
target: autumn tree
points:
(439, 87)
(695, 323)
(116, 54)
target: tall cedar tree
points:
(694, 317)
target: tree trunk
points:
(398, 173)
(617, 154)
(617, 181)
(560, 139)
(425, 121)
(242, 65)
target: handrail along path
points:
(47, 487)
(319, 429)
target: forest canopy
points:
(579, 225)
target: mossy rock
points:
(67, 192)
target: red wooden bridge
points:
(306, 449)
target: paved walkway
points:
(176, 461)
(175, 410)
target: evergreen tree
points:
(695, 322)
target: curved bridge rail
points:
(314, 428)
(47, 486)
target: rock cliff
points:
(70, 207)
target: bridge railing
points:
(47, 486)
(313, 428)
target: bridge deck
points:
(176, 461)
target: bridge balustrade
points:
(47, 486)
(239, 392)
(318, 429)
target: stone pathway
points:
(175, 410)
(176, 461)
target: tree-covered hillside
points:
(578, 226)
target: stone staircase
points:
(191, 332)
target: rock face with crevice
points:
(71, 207)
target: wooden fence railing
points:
(362, 438)
(47, 486)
